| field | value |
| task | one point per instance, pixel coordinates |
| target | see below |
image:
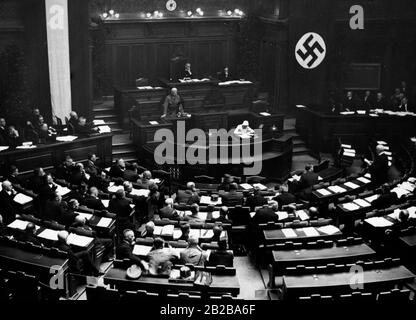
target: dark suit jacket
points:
(93, 203)
(130, 175)
(116, 172)
(284, 199)
(264, 215)
(379, 169)
(308, 179)
(125, 251)
(53, 211)
(232, 198)
(222, 77)
(8, 207)
(350, 104)
(25, 237)
(168, 213)
(255, 201)
(220, 257)
(187, 197)
(382, 104)
(121, 207)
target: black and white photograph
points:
(207, 158)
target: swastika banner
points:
(58, 55)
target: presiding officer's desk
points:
(51, 155)
(320, 130)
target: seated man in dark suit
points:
(92, 201)
(255, 199)
(65, 170)
(221, 256)
(83, 128)
(29, 235)
(90, 167)
(386, 198)
(36, 181)
(367, 102)
(309, 178)
(226, 181)
(7, 204)
(404, 106)
(17, 182)
(380, 102)
(125, 249)
(188, 196)
(100, 181)
(284, 198)
(145, 181)
(161, 258)
(225, 75)
(131, 174)
(55, 209)
(349, 103)
(148, 231)
(266, 214)
(233, 197)
(194, 217)
(117, 170)
(187, 73)
(168, 211)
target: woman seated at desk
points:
(173, 105)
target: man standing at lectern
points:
(173, 104)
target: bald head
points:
(63, 236)
(7, 185)
(174, 91)
(80, 219)
(193, 240)
(190, 186)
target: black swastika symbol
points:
(310, 50)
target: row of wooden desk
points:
(321, 130)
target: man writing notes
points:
(243, 130)
(173, 104)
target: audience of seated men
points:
(255, 199)
(193, 254)
(233, 197)
(221, 256)
(188, 196)
(284, 197)
(161, 258)
(125, 249)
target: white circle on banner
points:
(310, 50)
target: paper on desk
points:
(282, 215)
(98, 122)
(87, 216)
(104, 129)
(104, 222)
(361, 111)
(2, 148)
(49, 234)
(105, 202)
(158, 230)
(22, 198)
(350, 155)
(382, 142)
(362, 203)
(320, 178)
(153, 123)
(324, 192)
(310, 232)
(26, 147)
(114, 189)
(206, 233)
(400, 192)
(345, 113)
(155, 180)
(337, 189)
(62, 191)
(195, 233)
(346, 146)
(412, 212)
(79, 241)
(296, 177)
(351, 185)
(177, 233)
(379, 222)
(289, 233)
(302, 215)
(329, 230)
(202, 215)
(407, 186)
(363, 180)
(207, 200)
(265, 114)
(260, 186)
(349, 151)
(140, 250)
(372, 198)
(215, 215)
(350, 206)
(140, 192)
(167, 230)
(246, 186)
(66, 138)
(18, 224)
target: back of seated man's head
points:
(128, 186)
(73, 203)
(120, 194)
(150, 226)
(190, 185)
(94, 191)
(147, 175)
(403, 215)
(274, 205)
(30, 228)
(291, 209)
(194, 208)
(80, 219)
(158, 243)
(63, 236)
(313, 212)
(223, 211)
(233, 186)
(169, 202)
(193, 240)
(308, 167)
(217, 230)
(222, 244)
